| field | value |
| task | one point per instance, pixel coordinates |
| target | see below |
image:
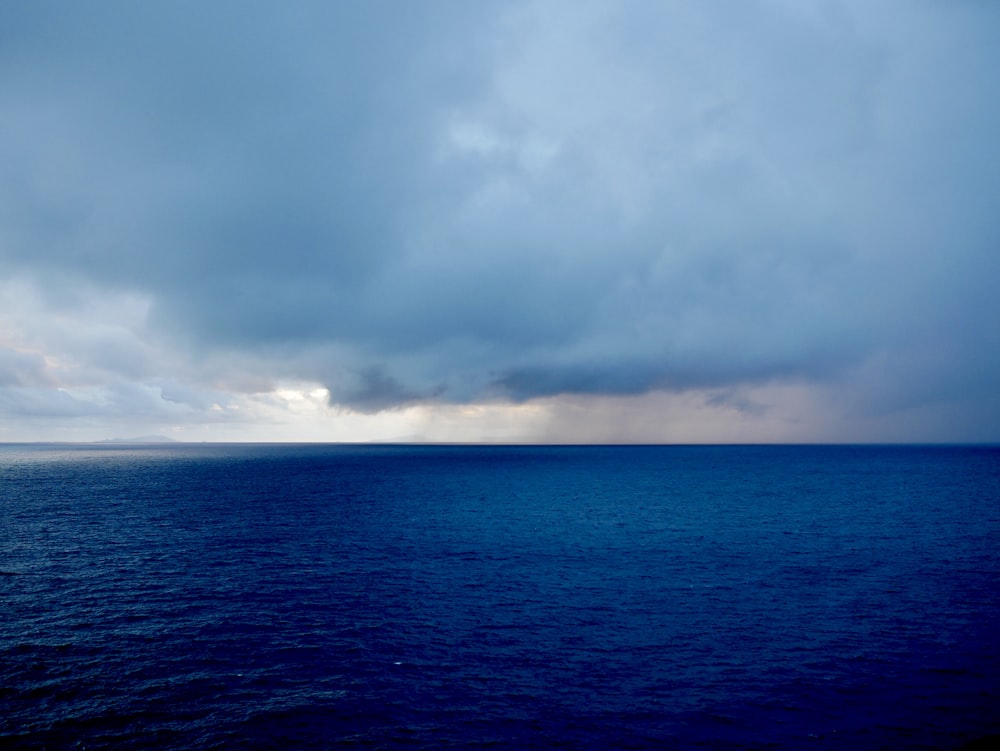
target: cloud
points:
(500, 203)
(21, 368)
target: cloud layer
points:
(408, 205)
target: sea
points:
(208, 596)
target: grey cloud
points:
(46, 404)
(457, 201)
(22, 369)
(372, 390)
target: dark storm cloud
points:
(457, 201)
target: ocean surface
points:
(411, 597)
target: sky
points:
(520, 221)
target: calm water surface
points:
(257, 597)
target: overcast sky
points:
(723, 220)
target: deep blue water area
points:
(408, 597)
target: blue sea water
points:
(408, 597)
